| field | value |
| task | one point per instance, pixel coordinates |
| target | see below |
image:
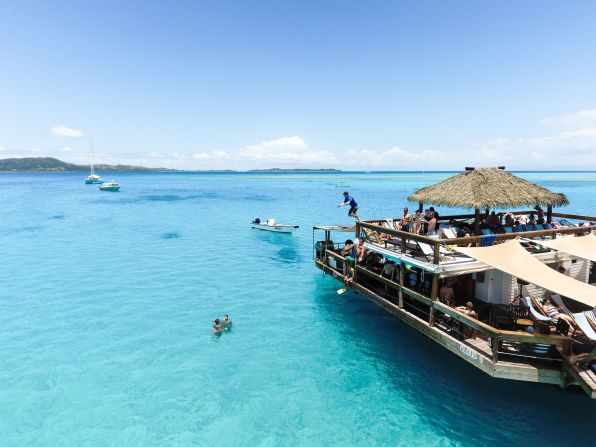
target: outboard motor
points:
(256, 221)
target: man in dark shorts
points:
(349, 200)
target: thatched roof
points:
(487, 188)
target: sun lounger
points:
(536, 315)
(429, 252)
(584, 325)
(508, 229)
(449, 233)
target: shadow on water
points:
(287, 251)
(169, 235)
(57, 217)
(26, 229)
(459, 401)
(160, 198)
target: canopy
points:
(487, 188)
(581, 246)
(510, 257)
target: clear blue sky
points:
(348, 84)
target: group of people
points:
(221, 326)
(421, 223)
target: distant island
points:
(49, 164)
(295, 170)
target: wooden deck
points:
(479, 352)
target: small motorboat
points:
(110, 186)
(271, 225)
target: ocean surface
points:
(107, 301)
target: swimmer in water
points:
(226, 323)
(217, 329)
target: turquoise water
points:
(106, 303)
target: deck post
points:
(403, 244)
(420, 206)
(402, 277)
(436, 253)
(327, 238)
(434, 294)
(549, 213)
(476, 222)
(495, 347)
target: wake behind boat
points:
(271, 225)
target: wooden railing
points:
(405, 236)
(496, 335)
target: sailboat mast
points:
(92, 167)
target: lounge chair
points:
(530, 227)
(508, 229)
(539, 227)
(536, 315)
(429, 252)
(449, 233)
(519, 228)
(584, 325)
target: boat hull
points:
(279, 228)
(109, 188)
(93, 182)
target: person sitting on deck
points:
(349, 200)
(532, 220)
(404, 222)
(555, 313)
(447, 294)
(360, 250)
(349, 250)
(468, 309)
(226, 324)
(217, 329)
(388, 270)
(540, 213)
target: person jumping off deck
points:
(349, 200)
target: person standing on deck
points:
(404, 222)
(349, 200)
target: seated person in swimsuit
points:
(555, 312)
(349, 249)
(468, 309)
(360, 250)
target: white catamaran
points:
(93, 178)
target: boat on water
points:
(271, 225)
(110, 186)
(93, 178)
(512, 292)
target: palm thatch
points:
(487, 188)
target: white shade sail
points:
(512, 258)
(580, 246)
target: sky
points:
(355, 85)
